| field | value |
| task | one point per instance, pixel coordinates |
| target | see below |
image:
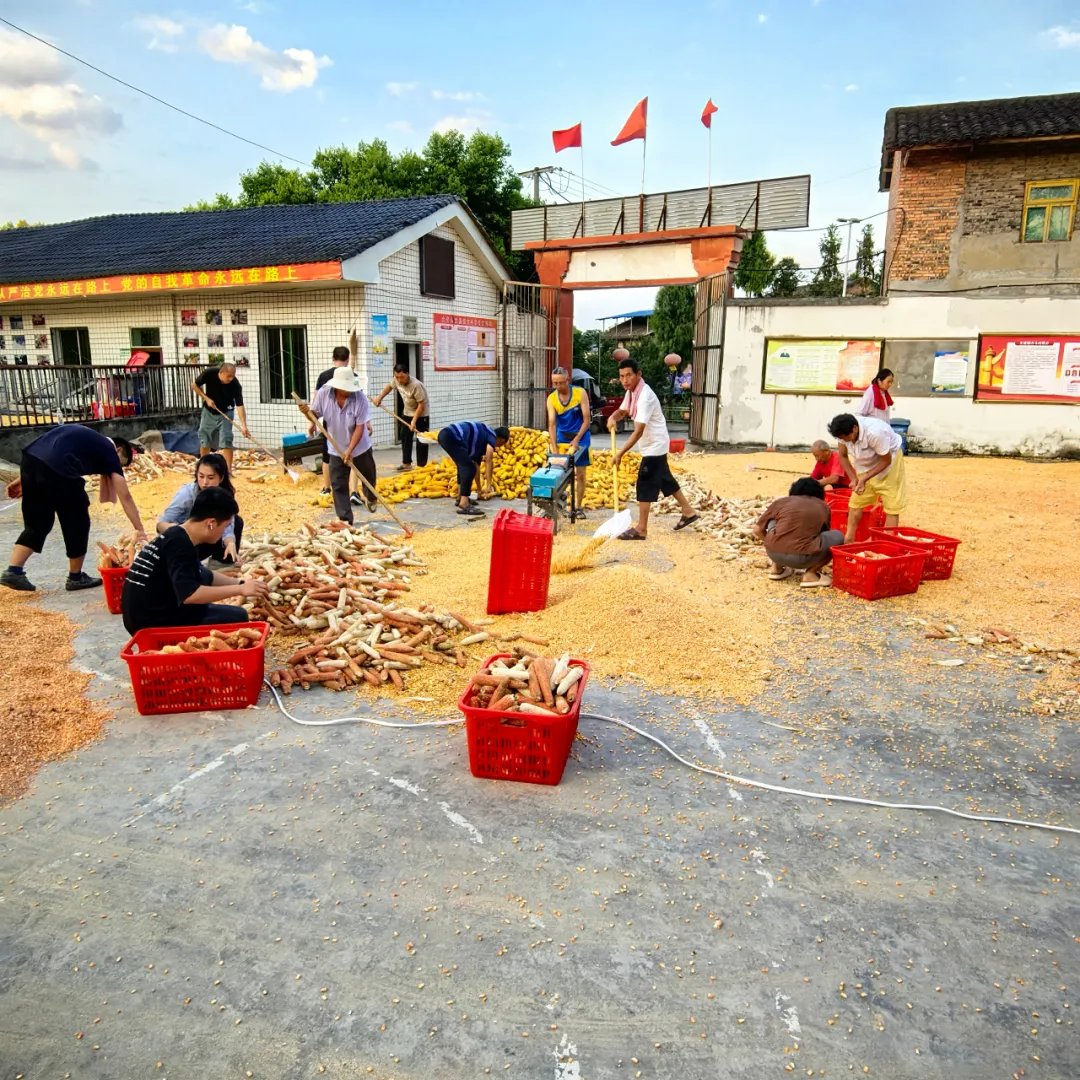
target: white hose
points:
(760, 784)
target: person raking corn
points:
(222, 387)
(568, 425)
(415, 406)
(871, 457)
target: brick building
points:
(273, 289)
(983, 193)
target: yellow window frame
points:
(1047, 204)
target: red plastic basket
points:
(875, 579)
(534, 754)
(940, 554)
(188, 682)
(520, 563)
(113, 580)
(872, 517)
(676, 446)
(838, 495)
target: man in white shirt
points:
(650, 439)
(870, 455)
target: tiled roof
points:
(972, 122)
(202, 239)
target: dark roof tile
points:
(205, 239)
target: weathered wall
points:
(942, 424)
(929, 186)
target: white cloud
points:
(851, 88)
(763, 18)
(402, 127)
(39, 95)
(288, 70)
(402, 89)
(457, 95)
(1062, 37)
(163, 32)
(465, 124)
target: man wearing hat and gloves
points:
(345, 410)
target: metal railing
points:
(42, 396)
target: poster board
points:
(380, 340)
(929, 367)
(820, 366)
(465, 343)
(1029, 368)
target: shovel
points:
(294, 476)
(761, 468)
(622, 519)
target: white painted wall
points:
(944, 424)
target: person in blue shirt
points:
(568, 424)
(468, 443)
(51, 486)
(210, 471)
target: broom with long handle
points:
(294, 476)
(306, 410)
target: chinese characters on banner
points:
(819, 367)
(465, 343)
(1034, 368)
(194, 279)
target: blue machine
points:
(552, 487)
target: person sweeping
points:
(417, 416)
(222, 387)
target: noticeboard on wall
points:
(928, 367)
(820, 366)
(1029, 368)
(465, 343)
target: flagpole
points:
(582, 149)
(644, 143)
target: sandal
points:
(684, 521)
(470, 511)
(783, 575)
(821, 583)
(630, 534)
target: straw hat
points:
(344, 379)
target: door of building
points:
(407, 353)
(710, 295)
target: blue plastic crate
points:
(293, 440)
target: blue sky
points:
(802, 86)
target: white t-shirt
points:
(868, 408)
(645, 409)
(876, 439)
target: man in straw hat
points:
(345, 410)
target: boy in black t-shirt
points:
(167, 585)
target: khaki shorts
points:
(892, 487)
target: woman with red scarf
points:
(876, 399)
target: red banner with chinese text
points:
(133, 284)
(1034, 368)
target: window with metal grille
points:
(1049, 208)
(437, 267)
(71, 345)
(282, 363)
(146, 337)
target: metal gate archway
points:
(710, 310)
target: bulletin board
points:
(465, 343)
(819, 365)
(929, 367)
(1029, 368)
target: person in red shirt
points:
(828, 471)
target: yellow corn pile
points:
(514, 464)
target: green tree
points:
(867, 276)
(672, 321)
(585, 346)
(757, 266)
(827, 279)
(785, 281)
(476, 169)
(22, 223)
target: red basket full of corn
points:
(112, 578)
(877, 570)
(190, 668)
(940, 550)
(517, 735)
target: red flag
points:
(566, 138)
(634, 128)
(706, 113)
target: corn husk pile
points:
(337, 589)
(155, 463)
(730, 522)
(527, 683)
(514, 463)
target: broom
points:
(622, 519)
(295, 477)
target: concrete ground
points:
(232, 895)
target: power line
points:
(153, 97)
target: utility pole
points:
(535, 174)
(849, 221)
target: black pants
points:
(46, 496)
(339, 482)
(217, 551)
(423, 424)
(459, 454)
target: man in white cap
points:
(345, 410)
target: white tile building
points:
(380, 275)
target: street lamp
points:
(848, 221)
